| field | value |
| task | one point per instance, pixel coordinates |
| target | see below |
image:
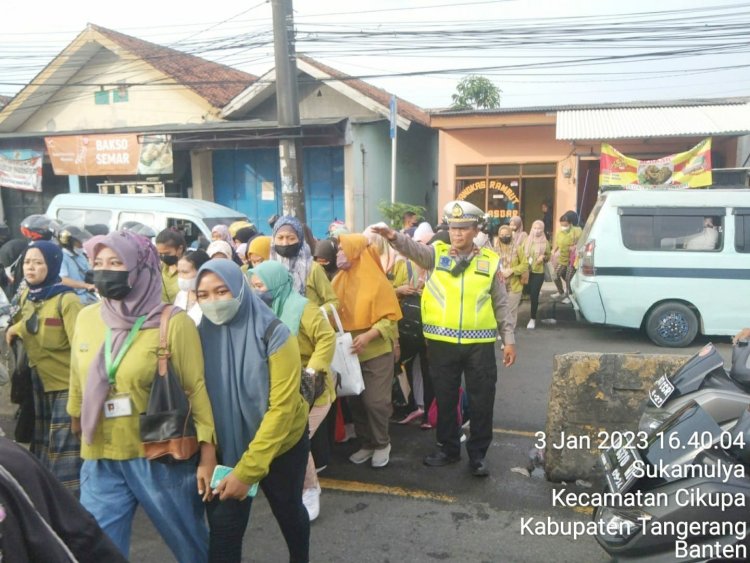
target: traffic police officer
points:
(463, 307)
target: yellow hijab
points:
(365, 294)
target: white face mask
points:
(565, 228)
(481, 239)
(186, 284)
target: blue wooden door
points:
(248, 181)
(324, 187)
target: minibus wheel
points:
(672, 324)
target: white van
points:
(97, 212)
(672, 262)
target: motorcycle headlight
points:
(617, 526)
(651, 420)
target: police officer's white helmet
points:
(462, 214)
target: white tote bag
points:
(345, 363)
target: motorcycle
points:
(683, 497)
(703, 379)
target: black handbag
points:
(22, 394)
(167, 428)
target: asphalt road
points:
(409, 512)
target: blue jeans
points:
(111, 491)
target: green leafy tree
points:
(476, 92)
(394, 212)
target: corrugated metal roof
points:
(675, 121)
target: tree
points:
(394, 212)
(476, 92)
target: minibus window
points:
(85, 218)
(742, 236)
(668, 230)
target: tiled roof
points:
(215, 82)
(405, 109)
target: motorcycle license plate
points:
(661, 391)
(619, 467)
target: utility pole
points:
(287, 109)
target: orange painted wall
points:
(537, 143)
(505, 145)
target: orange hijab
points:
(365, 294)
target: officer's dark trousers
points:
(477, 362)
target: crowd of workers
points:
(253, 318)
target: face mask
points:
(186, 284)
(565, 229)
(330, 267)
(288, 250)
(342, 262)
(112, 284)
(266, 296)
(169, 259)
(505, 240)
(480, 240)
(222, 312)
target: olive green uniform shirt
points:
(119, 438)
(49, 349)
(317, 344)
(169, 287)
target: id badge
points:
(117, 406)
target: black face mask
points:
(169, 259)
(112, 284)
(288, 250)
(505, 240)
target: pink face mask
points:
(342, 262)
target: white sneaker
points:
(531, 325)
(361, 456)
(311, 500)
(463, 437)
(555, 295)
(381, 457)
(566, 301)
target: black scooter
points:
(658, 508)
(703, 379)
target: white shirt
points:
(194, 312)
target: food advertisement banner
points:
(21, 170)
(101, 155)
(690, 169)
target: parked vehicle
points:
(97, 212)
(703, 379)
(692, 489)
(674, 263)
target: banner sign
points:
(690, 169)
(21, 170)
(117, 154)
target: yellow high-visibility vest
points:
(459, 308)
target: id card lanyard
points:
(111, 366)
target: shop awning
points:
(646, 122)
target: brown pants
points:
(372, 409)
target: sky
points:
(538, 52)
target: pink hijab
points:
(519, 236)
(226, 236)
(536, 243)
(142, 261)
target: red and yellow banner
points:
(690, 169)
(117, 154)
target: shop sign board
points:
(21, 170)
(126, 154)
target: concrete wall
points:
(591, 396)
(72, 107)
(416, 169)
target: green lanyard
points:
(110, 366)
